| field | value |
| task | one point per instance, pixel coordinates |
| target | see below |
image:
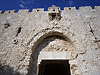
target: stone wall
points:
(25, 36)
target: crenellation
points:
(6, 12)
(10, 11)
(54, 9)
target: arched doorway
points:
(52, 48)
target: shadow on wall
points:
(7, 70)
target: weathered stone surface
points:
(27, 37)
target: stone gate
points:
(33, 43)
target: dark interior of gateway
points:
(54, 67)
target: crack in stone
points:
(96, 40)
(91, 30)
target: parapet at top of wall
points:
(83, 8)
(96, 8)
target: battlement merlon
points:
(1, 12)
(85, 8)
(69, 8)
(24, 11)
(38, 10)
(97, 8)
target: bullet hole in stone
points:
(95, 37)
(19, 30)
(8, 11)
(6, 25)
(83, 60)
(69, 8)
(53, 9)
(37, 10)
(15, 41)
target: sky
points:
(33, 4)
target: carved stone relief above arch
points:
(54, 13)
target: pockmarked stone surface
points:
(29, 39)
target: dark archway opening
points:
(54, 67)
